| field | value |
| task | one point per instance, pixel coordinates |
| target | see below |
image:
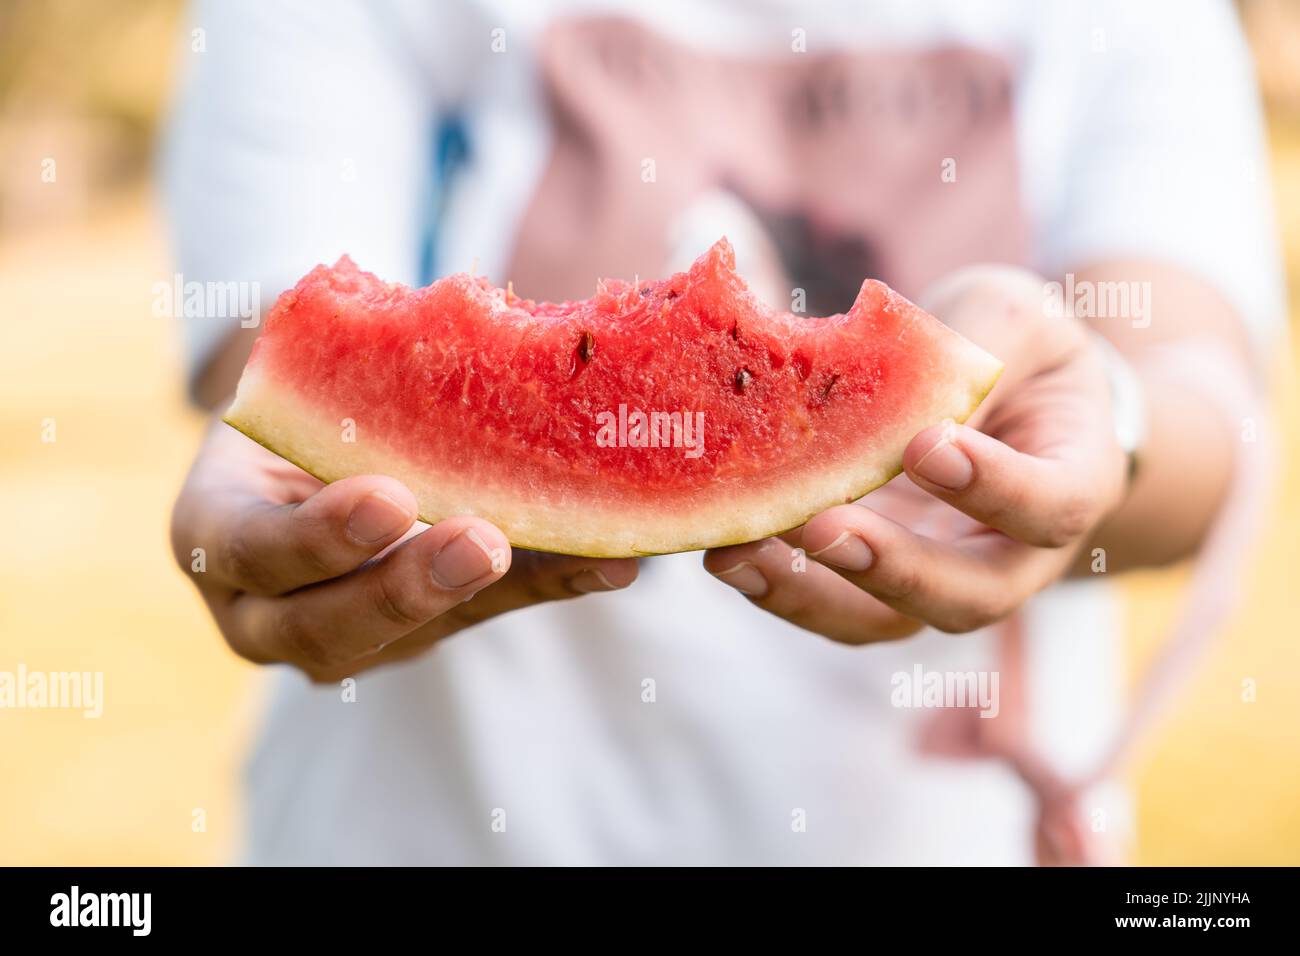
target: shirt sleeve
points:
(1168, 158)
(302, 131)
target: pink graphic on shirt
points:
(895, 164)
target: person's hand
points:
(984, 516)
(337, 579)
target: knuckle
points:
(974, 615)
(244, 648)
(1016, 291)
(303, 643)
(396, 604)
(244, 564)
(314, 548)
(848, 638)
(896, 628)
(904, 583)
(859, 633)
(793, 604)
(316, 561)
(248, 627)
(1072, 518)
(981, 282)
(1012, 505)
(855, 636)
(321, 676)
(960, 622)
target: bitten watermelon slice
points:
(654, 417)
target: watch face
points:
(1127, 403)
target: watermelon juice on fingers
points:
(651, 418)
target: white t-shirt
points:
(673, 722)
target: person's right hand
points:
(336, 579)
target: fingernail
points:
(592, 579)
(745, 578)
(463, 559)
(376, 517)
(848, 551)
(945, 464)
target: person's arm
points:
(214, 379)
(1190, 447)
(1168, 192)
(304, 131)
(999, 508)
(301, 131)
(1163, 182)
(339, 579)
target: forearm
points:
(214, 384)
(1186, 463)
(1183, 475)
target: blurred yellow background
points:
(87, 583)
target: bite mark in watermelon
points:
(525, 413)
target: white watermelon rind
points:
(274, 418)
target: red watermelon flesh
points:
(528, 414)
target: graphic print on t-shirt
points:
(897, 165)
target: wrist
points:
(1129, 407)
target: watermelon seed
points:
(743, 378)
(735, 331)
(802, 366)
(826, 389)
(586, 347)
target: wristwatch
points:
(1127, 402)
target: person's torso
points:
(675, 723)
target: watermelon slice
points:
(653, 417)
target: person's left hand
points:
(985, 516)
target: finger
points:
(267, 548)
(1001, 309)
(533, 578)
(956, 587)
(536, 577)
(339, 621)
(1048, 500)
(783, 582)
